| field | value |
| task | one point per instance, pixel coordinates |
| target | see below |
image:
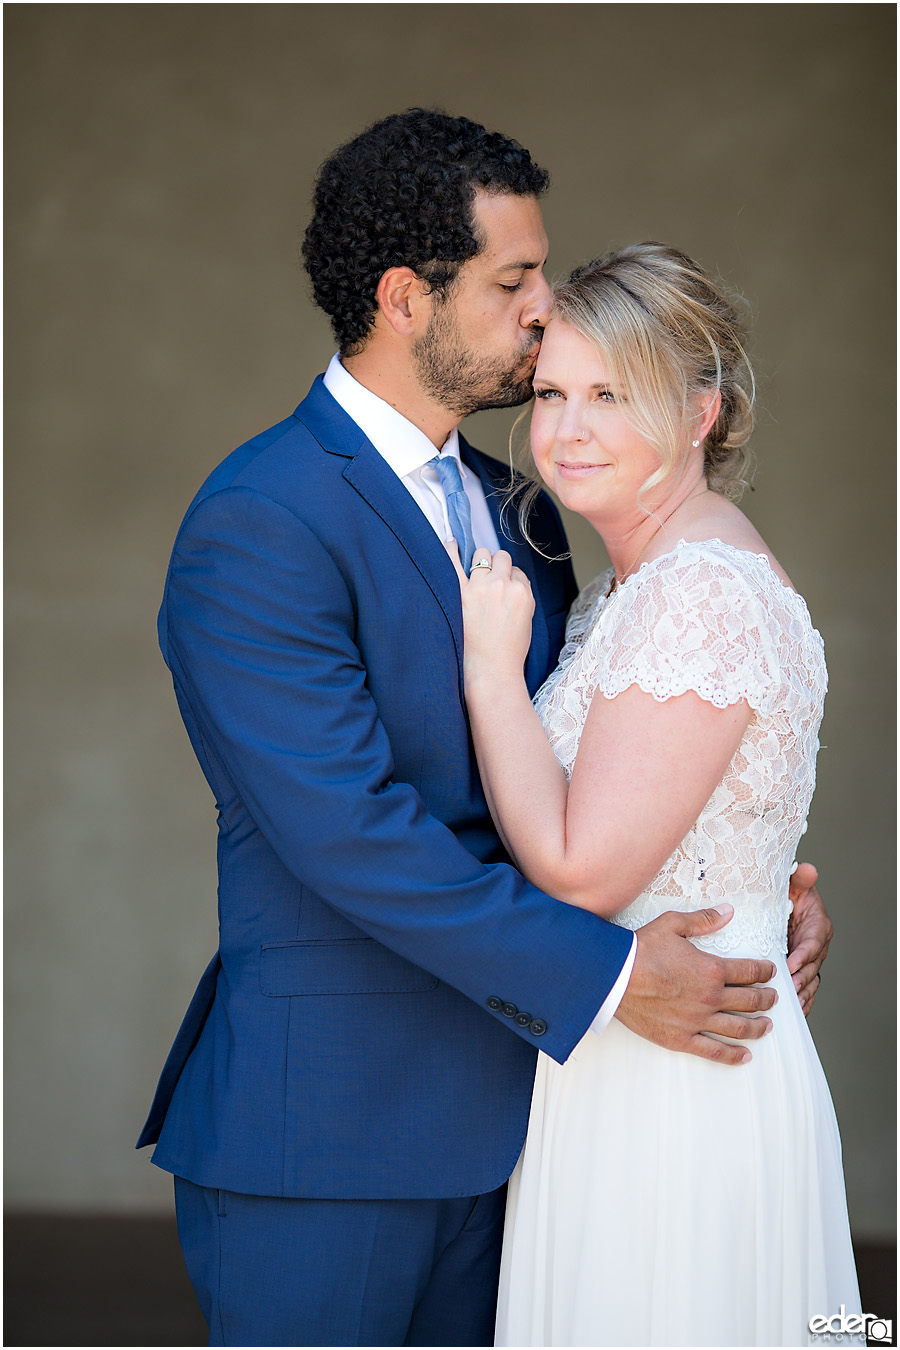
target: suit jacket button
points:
(522, 1019)
(538, 1027)
(509, 1010)
(495, 1003)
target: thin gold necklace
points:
(617, 580)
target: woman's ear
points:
(399, 295)
(708, 412)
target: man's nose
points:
(537, 311)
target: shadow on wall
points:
(115, 1282)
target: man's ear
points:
(400, 294)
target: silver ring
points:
(482, 562)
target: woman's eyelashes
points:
(604, 395)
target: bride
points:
(667, 764)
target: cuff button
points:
(523, 1019)
(495, 1003)
(509, 1010)
(538, 1027)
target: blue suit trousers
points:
(277, 1271)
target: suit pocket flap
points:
(341, 966)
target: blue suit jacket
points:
(384, 979)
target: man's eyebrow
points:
(518, 266)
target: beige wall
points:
(159, 165)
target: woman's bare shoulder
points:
(721, 519)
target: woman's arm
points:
(644, 770)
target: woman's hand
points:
(497, 606)
(520, 775)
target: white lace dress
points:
(661, 1199)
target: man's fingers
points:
(738, 1028)
(808, 996)
(706, 1047)
(805, 975)
(803, 879)
(809, 954)
(805, 954)
(749, 998)
(684, 999)
(697, 922)
(747, 970)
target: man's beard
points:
(463, 383)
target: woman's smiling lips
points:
(568, 468)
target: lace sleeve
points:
(696, 619)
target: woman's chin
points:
(584, 493)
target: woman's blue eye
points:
(546, 393)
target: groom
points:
(350, 1088)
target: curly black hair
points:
(400, 194)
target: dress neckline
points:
(701, 543)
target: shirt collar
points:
(397, 440)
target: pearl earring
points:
(695, 444)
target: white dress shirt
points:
(407, 451)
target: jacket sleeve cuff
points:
(615, 995)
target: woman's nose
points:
(570, 426)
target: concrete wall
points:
(159, 166)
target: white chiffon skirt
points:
(664, 1200)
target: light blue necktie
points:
(459, 512)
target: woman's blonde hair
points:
(669, 335)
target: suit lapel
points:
(377, 484)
